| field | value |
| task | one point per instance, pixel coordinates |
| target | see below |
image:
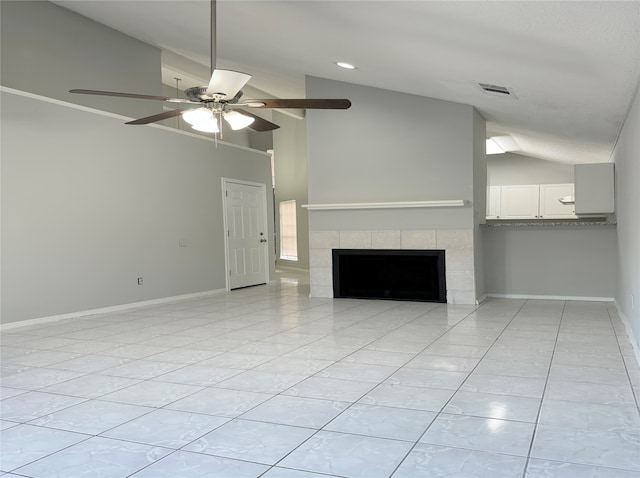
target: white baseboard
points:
(481, 299)
(551, 297)
(110, 309)
(290, 268)
(627, 326)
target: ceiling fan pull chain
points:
(178, 96)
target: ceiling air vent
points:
(496, 89)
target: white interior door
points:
(247, 251)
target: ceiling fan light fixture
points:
(210, 126)
(201, 119)
(197, 116)
(237, 120)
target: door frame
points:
(263, 198)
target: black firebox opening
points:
(389, 274)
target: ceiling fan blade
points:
(260, 124)
(158, 117)
(224, 84)
(321, 104)
(132, 95)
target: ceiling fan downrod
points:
(212, 33)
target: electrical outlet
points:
(140, 280)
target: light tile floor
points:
(266, 382)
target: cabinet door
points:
(594, 188)
(519, 202)
(493, 202)
(550, 206)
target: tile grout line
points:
(319, 320)
(458, 389)
(624, 362)
(544, 390)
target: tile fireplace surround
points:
(457, 244)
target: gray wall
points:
(555, 261)
(48, 50)
(627, 176)
(479, 199)
(388, 146)
(290, 153)
(92, 204)
(577, 261)
(89, 204)
(511, 168)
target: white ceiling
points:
(574, 66)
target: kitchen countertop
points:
(547, 222)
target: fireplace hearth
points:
(417, 275)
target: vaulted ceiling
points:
(573, 67)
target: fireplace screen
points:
(389, 274)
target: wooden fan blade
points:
(154, 118)
(132, 95)
(260, 124)
(306, 104)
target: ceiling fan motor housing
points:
(199, 93)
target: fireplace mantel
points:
(385, 205)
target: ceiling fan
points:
(220, 99)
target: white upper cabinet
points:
(550, 205)
(529, 201)
(594, 189)
(493, 202)
(519, 202)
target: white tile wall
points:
(320, 258)
(419, 239)
(458, 239)
(459, 280)
(321, 276)
(355, 239)
(386, 239)
(457, 243)
(324, 239)
(459, 260)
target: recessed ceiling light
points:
(345, 65)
